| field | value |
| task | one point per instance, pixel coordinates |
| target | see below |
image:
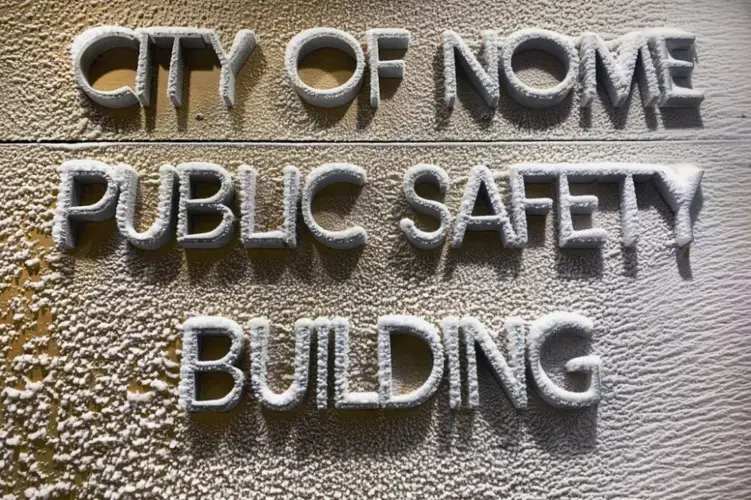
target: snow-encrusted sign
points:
(648, 55)
(678, 185)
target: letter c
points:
(91, 44)
(319, 178)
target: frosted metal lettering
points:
(287, 236)
(161, 230)
(509, 370)
(73, 175)
(436, 176)
(217, 204)
(94, 42)
(317, 38)
(649, 55)
(194, 329)
(677, 184)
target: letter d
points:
(410, 325)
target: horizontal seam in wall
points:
(294, 143)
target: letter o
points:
(559, 46)
(317, 38)
(91, 44)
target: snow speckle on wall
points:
(91, 337)
(92, 352)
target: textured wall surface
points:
(97, 327)
(90, 340)
(40, 101)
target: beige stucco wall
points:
(40, 101)
(85, 332)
